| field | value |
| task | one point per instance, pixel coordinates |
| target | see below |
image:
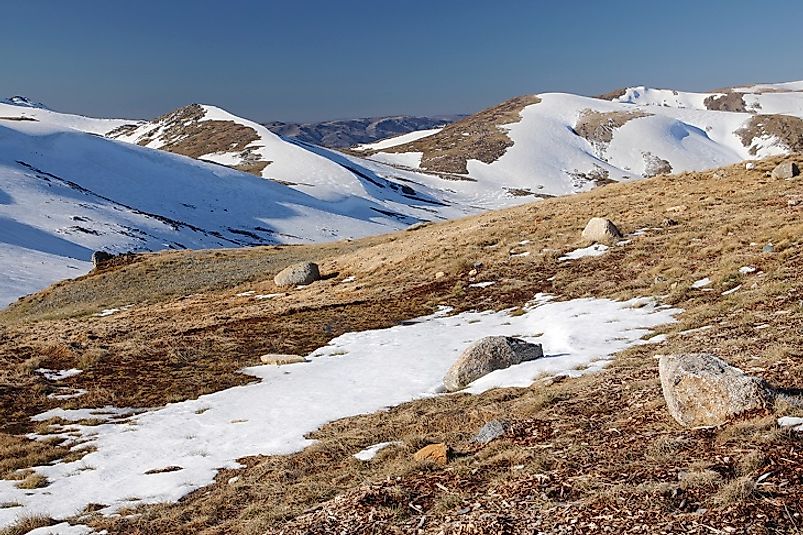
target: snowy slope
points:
(642, 132)
(23, 110)
(65, 193)
(398, 140)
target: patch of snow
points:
(657, 339)
(702, 283)
(348, 279)
(484, 284)
(597, 249)
(356, 373)
(370, 452)
(69, 393)
(794, 422)
(515, 255)
(247, 293)
(744, 270)
(107, 312)
(64, 528)
(398, 140)
(58, 375)
(732, 290)
(260, 297)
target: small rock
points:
(419, 225)
(100, 257)
(785, 170)
(680, 208)
(490, 431)
(669, 222)
(601, 230)
(280, 359)
(701, 389)
(750, 166)
(486, 355)
(298, 274)
(436, 453)
(473, 273)
(769, 248)
(440, 275)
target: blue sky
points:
(316, 59)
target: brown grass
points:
(597, 127)
(787, 129)
(602, 444)
(477, 137)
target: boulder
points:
(419, 225)
(701, 389)
(601, 230)
(435, 453)
(100, 257)
(486, 355)
(490, 431)
(304, 273)
(280, 359)
(785, 170)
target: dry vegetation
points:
(729, 101)
(788, 130)
(477, 137)
(182, 131)
(597, 127)
(594, 454)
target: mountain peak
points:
(19, 100)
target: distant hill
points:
(351, 132)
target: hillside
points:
(67, 191)
(558, 143)
(710, 261)
(341, 134)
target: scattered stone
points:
(473, 273)
(785, 170)
(440, 275)
(100, 257)
(669, 222)
(602, 230)
(677, 209)
(490, 431)
(750, 166)
(417, 226)
(280, 359)
(298, 274)
(769, 248)
(701, 389)
(436, 453)
(486, 355)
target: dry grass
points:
(788, 130)
(25, 525)
(477, 137)
(603, 444)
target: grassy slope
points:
(600, 450)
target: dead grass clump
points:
(24, 525)
(33, 481)
(597, 127)
(729, 101)
(734, 491)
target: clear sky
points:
(302, 60)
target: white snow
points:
(63, 528)
(597, 249)
(58, 375)
(107, 312)
(355, 373)
(795, 423)
(744, 270)
(732, 290)
(398, 140)
(701, 283)
(370, 452)
(484, 284)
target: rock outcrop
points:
(304, 273)
(785, 170)
(701, 389)
(601, 230)
(486, 355)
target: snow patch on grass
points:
(356, 373)
(597, 249)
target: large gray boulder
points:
(701, 389)
(304, 273)
(486, 355)
(601, 230)
(785, 170)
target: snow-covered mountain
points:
(66, 191)
(71, 184)
(557, 143)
